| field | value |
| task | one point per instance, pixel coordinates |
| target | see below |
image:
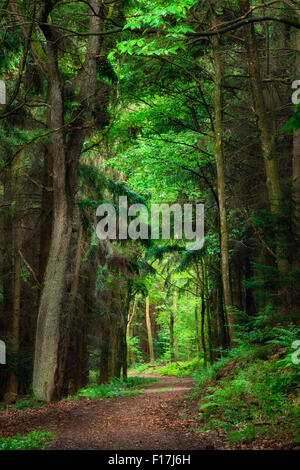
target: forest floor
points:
(161, 418)
(153, 420)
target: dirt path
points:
(153, 420)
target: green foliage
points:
(115, 388)
(242, 391)
(264, 328)
(248, 433)
(180, 369)
(209, 373)
(293, 123)
(35, 440)
(23, 403)
(142, 367)
(10, 49)
(276, 229)
(134, 345)
(29, 402)
(158, 252)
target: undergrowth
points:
(23, 403)
(178, 369)
(252, 390)
(115, 388)
(35, 440)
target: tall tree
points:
(149, 329)
(67, 142)
(267, 127)
(220, 165)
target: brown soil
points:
(152, 420)
(159, 419)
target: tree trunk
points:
(46, 212)
(267, 129)
(171, 327)
(149, 330)
(123, 344)
(203, 342)
(197, 320)
(176, 352)
(7, 269)
(69, 323)
(224, 342)
(46, 377)
(208, 315)
(17, 245)
(219, 157)
(105, 347)
(129, 333)
(47, 353)
(296, 164)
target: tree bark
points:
(129, 333)
(198, 339)
(46, 212)
(202, 330)
(69, 324)
(219, 157)
(171, 328)
(176, 352)
(105, 347)
(267, 129)
(7, 267)
(47, 354)
(46, 377)
(197, 319)
(17, 245)
(149, 330)
(296, 163)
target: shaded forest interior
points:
(166, 102)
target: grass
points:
(116, 388)
(139, 368)
(162, 389)
(35, 440)
(178, 368)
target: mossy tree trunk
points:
(47, 380)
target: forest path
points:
(154, 420)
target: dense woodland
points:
(162, 101)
